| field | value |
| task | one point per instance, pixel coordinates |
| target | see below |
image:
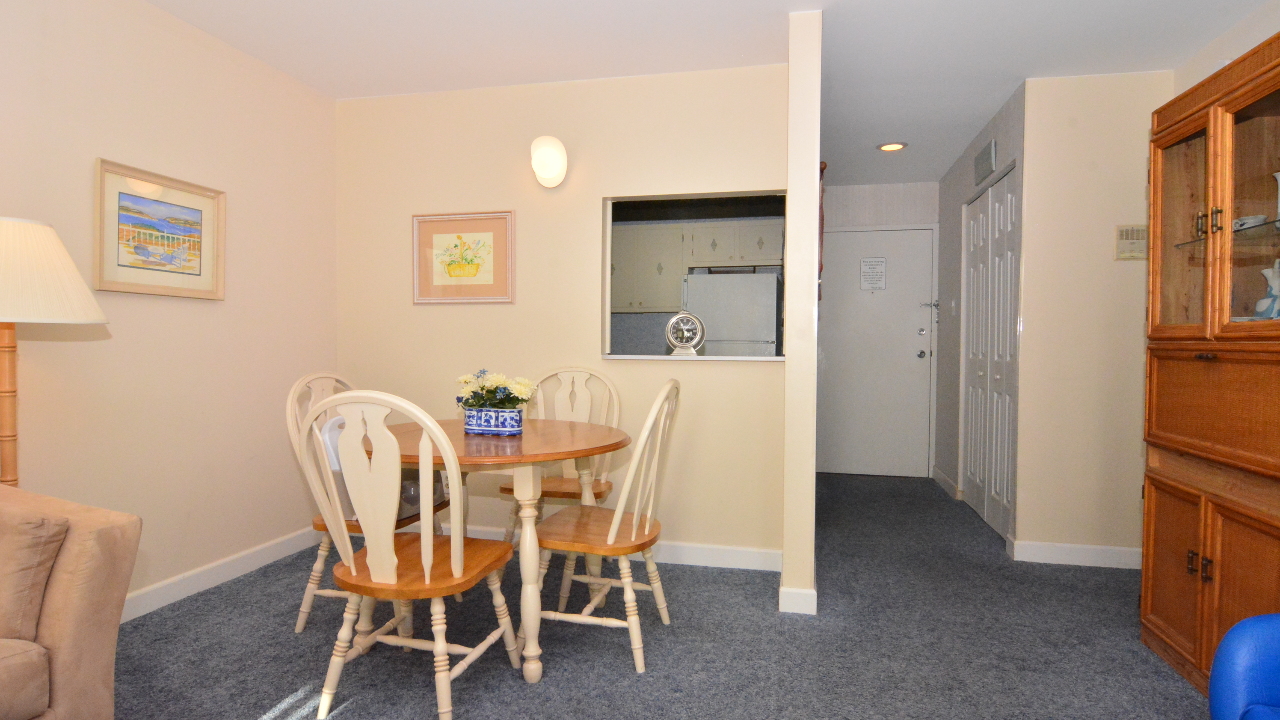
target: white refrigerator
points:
(739, 310)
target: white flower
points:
(522, 388)
(467, 379)
(493, 381)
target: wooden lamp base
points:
(8, 405)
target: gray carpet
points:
(921, 615)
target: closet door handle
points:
(1216, 224)
(1205, 566)
(1202, 219)
(1192, 562)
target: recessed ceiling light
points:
(892, 147)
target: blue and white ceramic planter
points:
(493, 421)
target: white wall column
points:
(798, 592)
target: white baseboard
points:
(946, 482)
(144, 600)
(798, 600)
(682, 553)
(1067, 554)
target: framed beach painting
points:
(158, 235)
(467, 258)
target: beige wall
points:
(879, 205)
(1243, 37)
(957, 188)
(1080, 450)
(173, 411)
(716, 131)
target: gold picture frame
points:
(157, 235)
(464, 258)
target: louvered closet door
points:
(993, 241)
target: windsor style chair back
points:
(398, 566)
(617, 533)
(306, 393)
(580, 395)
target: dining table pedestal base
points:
(528, 488)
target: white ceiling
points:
(927, 72)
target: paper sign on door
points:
(873, 271)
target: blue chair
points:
(1245, 681)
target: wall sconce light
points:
(549, 160)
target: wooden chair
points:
(618, 533)
(396, 566)
(580, 395)
(313, 389)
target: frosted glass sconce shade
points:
(549, 160)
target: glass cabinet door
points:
(1181, 242)
(1251, 266)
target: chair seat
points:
(564, 488)
(481, 557)
(353, 526)
(585, 529)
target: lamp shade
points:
(38, 281)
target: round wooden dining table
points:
(543, 442)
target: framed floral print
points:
(466, 258)
(158, 235)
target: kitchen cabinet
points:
(648, 261)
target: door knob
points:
(920, 331)
(920, 354)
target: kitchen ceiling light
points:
(893, 146)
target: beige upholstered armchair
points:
(64, 572)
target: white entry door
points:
(989, 402)
(875, 333)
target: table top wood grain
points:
(542, 441)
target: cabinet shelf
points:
(1264, 234)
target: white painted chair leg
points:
(504, 618)
(405, 608)
(566, 581)
(510, 535)
(339, 658)
(364, 627)
(444, 696)
(633, 615)
(544, 562)
(313, 583)
(655, 582)
(594, 564)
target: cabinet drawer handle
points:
(1206, 356)
(1215, 222)
(1205, 566)
(1201, 221)
(1192, 564)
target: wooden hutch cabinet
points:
(1211, 518)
